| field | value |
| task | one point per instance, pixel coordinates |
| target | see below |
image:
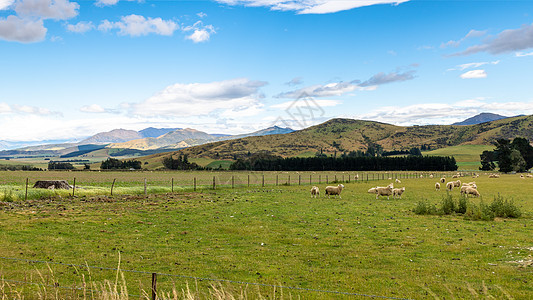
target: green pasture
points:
(467, 156)
(272, 235)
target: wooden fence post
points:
(195, 184)
(299, 179)
(232, 181)
(112, 185)
(327, 179)
(145, 187)
(248, 180)
(26, 196)
(276, 179)
(263, 180)
(214, 184)
(310, 181)
(289, 181)
(73, 186)
(172, 185)
(154, 286)
(319, 178)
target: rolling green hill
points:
(344, 135)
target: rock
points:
(52, 184)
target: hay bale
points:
(52, 184)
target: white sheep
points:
(315, 191)
(494, 176)
(431, 176)
(443, 180)
(356, 177)
(372, 190)
(471, 191)
(384, 191)
(522, 176)
(472, 184)
(398, 192)
(457, 183)
(437, 186)
(398, 180)
(529, 176)
(449, 186)
(455, 176)
(334, 190)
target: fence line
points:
(201, 279)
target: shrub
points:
(425, 208)
(8, 196)
(482, 212)
(448, 205)
(463, 205)
(503, 208)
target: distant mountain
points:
(155, 132)
(183, 138)
(481, 118)
(113, 136)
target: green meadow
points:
(323, 248)
(467, 156)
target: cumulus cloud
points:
(47, 9)
(522, 54)
(135, 25)
(444, 113)
(340, 88)
(93, 108)
(202, 99)
(16, 29)
(4, 4)
(80, 27)
(295, 81)
(200, 32)
(506, 41)
(106, 2)
(26, 110)
(471, 34)
(318, 102)
(473, 65)
(310, 6)
(474, 74)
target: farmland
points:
(272, 235)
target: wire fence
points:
(115, 183)
(155, 275)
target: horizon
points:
(72, 69)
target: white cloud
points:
(47, 9)
(522, 54)
(474, 74)
(80, 27)
(474, 65)
(340, 88)
(202, 99)
(201, 33)
(4, 108)
(106, 2)
(296, 103)
(26, 110)
(4, 4)
(310, 6)
(471, 34)
(93, 108)
(506, 41)
(444, 113)
(16, 29)
(135, 25)
(201, 15)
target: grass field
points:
(467, 156)
(276, 235)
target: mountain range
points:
(481, 118)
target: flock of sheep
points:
(465, 188)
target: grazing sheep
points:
(398, 180)
(494, 176)
(384, 191)
(431, 176)
(437, 186)
(443, 180)
(372, 190)
(470, 184)
(421, 176)
(449, 186)
(334, 190)
(471, 191)
(522, 176)
(315, 191)
(356, 177)
(529, 176)
(457, 183)
(455, 176)
(398, 192)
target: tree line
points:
(509, 156)
(266, 162)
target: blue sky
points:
(70, 69)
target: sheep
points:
(334, 190)
(372, 190)
(472, 184)
(522, 176)
(529, 176)
(471, 191)
(457, 183)
(421, 176)
(315, 191)
(455, 176)
(494, 176)
(449, 186)
(384, 191)
(398, 180)
(437, 186)
(398, 192)
(431, 176)
(356, 177)
(443, 180)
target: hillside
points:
(339, 135)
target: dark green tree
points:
(503, 155)
(487, 161)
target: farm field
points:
(272, 235)
(467, 156)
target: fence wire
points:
(196, 278)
